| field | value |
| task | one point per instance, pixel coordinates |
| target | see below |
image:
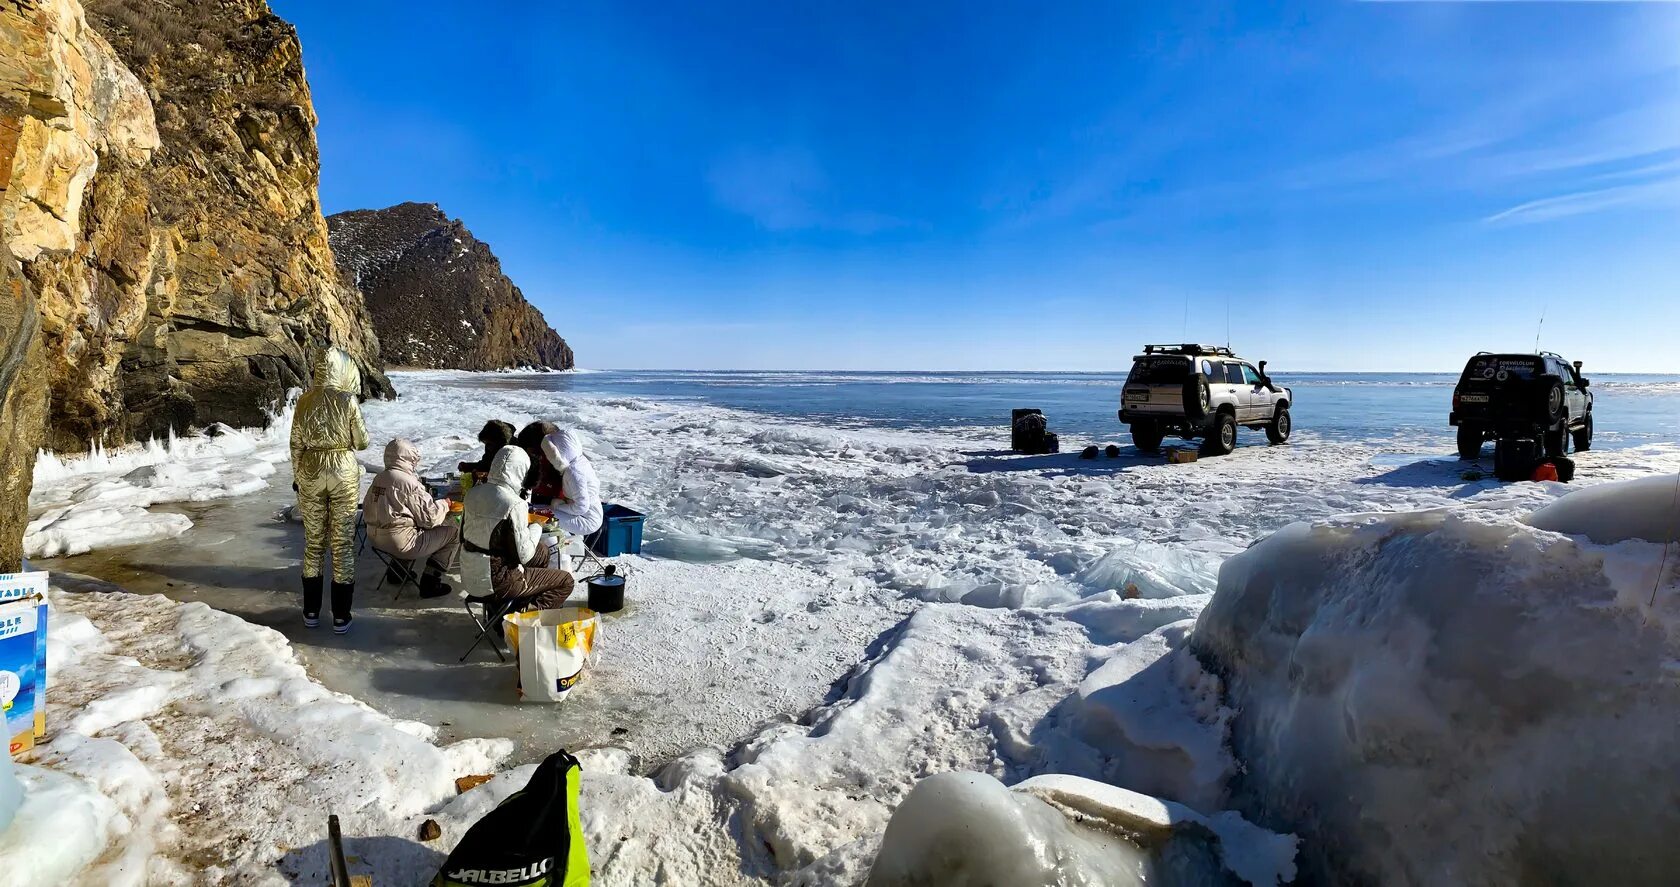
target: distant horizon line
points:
(585, 370)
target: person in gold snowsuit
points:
(327, 431)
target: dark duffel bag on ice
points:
(532, 839)
(1026, 434)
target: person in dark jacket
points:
(494, 435)
(542, 480)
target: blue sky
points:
(1382, 185)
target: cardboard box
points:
(20, 679)
(27, 586)
(1178, 455)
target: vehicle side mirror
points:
(1585, 382)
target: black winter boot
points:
(342, 593)
(432, 586)
(312, 586)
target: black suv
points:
(1521, 401)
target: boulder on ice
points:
(1457, 696)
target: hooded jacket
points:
(541, 478)
(579, 504)
(397, 506)
(327, 425)
(496, 501)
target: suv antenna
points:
(1538, 328)
(1227, 320)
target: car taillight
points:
(1455, 400)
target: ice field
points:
(826, 613)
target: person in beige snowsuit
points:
(327, 431)
(405, 520)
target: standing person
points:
(542, 481)
(577, 509)
(327, 431)
(496, 524)
(494, 435)
(403, 519)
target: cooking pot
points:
(606, 591)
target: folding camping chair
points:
(490, 612)
(406, 571)
(589, 558)
(476, 592)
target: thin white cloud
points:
(1662, 192)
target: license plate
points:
(1472, 398)
(1136, 396)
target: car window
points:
(1250, 375)
(1228, 373)
(1501, 368)
(1159, 371)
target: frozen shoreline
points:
(894, 604)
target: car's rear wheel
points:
(1583, 436)
(1278, 431)
(1147, 436)
(1222, 438)
(1469, 442)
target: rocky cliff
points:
(165, 261)
(438, 295)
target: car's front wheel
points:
(1147, 436)
(1469, 442)
(1222, 438)
(1583, 436)
(1278, 431)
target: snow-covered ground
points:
(824, 616)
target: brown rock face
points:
(217, 250)
(438, 296)
(163, 259)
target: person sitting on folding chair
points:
(496, 525)
(404, 521)
(577, 507)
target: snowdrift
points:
(1457, 696)
(967, 830)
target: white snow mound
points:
(1456, 696)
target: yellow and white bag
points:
(553, 647)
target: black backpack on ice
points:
(532, 839)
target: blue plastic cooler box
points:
(620, 533)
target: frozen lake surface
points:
(836, 597)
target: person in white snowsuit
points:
(577, 509)
(496, 527)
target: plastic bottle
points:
(11, 792)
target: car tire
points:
(1469, 442)
(1278, 431)
(1553, 405)
(1222, 437)
(1147, 436)
(1583, 436)
(1197, 399)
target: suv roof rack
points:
(1188, 348)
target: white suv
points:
(1201, 392)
